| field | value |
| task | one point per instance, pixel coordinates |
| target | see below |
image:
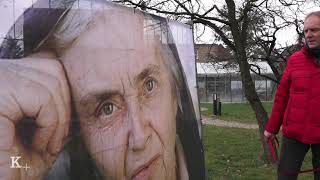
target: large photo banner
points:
(95, 90)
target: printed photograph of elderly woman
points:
(95, 90)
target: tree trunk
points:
(239, 33)
(256, 105)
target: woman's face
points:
(124, 99)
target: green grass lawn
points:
(240, 112)
(233, 153)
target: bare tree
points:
(247, 27)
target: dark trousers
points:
(291, 158)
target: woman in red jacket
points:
(297, 105)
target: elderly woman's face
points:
(124, 99)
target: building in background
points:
(218, 73)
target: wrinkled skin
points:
(124, 99)
(127, 112)
(35, 88)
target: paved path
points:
(232, 124)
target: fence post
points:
(219, 107)
(215, 106)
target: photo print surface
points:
(95, 90)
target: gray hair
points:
(315, 13)
(78, 20)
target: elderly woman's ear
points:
(34, 114)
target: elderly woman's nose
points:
(138, 131)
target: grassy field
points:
(233, 153)
(240, 112)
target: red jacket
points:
(297, 102)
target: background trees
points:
(248, 28)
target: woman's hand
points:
(34, 116)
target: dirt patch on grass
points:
(231, 124)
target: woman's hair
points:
(77, 21)
(72, 21)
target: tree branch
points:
(218, 31)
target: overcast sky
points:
(7, 15)
(285, 37)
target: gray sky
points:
(8, 16)
(285, 37)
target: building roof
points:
(222, 68)
(212, 53)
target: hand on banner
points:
(34, 116)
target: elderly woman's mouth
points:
(145, 171)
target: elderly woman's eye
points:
(108, 108)
(107, 113)
(149, 86)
